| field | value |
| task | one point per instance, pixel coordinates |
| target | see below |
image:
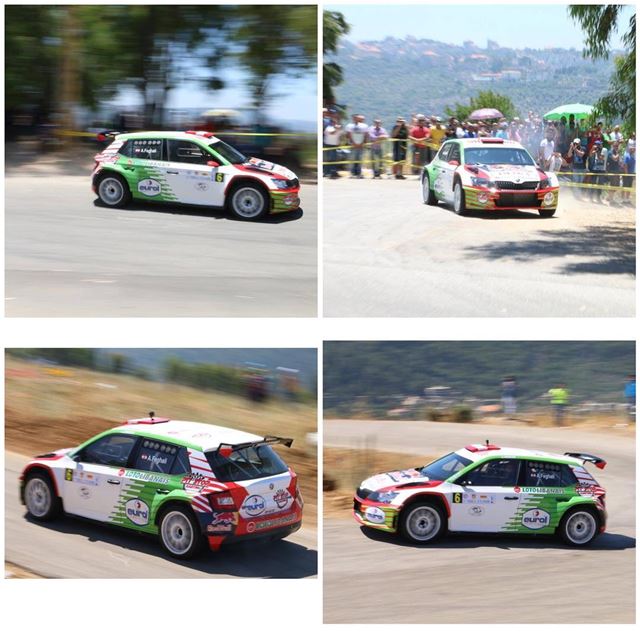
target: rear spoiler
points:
(588, 457)
(228, 448)
(107, 135)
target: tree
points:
(599, 23)
(334, 26)
(484, 100)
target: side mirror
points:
(213, 163)
(454, 163)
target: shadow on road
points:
(609, 249)
(204, 212)
(604, 542)
(258, 559)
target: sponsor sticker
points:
(476, 510)
(83, 477)
(272, 522)
(223, 522)
(201, 186)
(149, 187)
(374, 515)
(472, 498)
(535, 519)
(548, 490)
(134, 474)
(253, 506)
(194, 481)
(281, 497)
(85, 493)
(137, 511)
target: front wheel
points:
(249, 202)
(40, 497)
(579, 527)
(422, 522)
(180, 533)
(459, 205)
(428, 195)
(547, 213)
(113, 191)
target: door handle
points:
(511, 497)
(113, 481)
(162, 490)
(175, 172)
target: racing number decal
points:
(68, 474)
(457, 498)
(219, 177)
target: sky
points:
(535, 26)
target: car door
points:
(94, 480)
(190, 178)
(440, 171)
(485, 499)
(449, 169)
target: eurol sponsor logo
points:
(149, 187)
(137, 511)
(535, 519)
(374, 515)
(253, 506)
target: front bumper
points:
(502, 199)
(376, 515)
(283, 201)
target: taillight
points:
(222, 501)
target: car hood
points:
(509, 172)
(394, 479)
(277, 170)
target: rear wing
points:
(589, 457)
(267, 440)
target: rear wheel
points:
(113, 191)
(579, 527)
(428, 195)
(40, 496)
(459, 205)
(249, 202)
(180, 532)
(422, 522)
(547, 213)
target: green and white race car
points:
(489, 174)
(191, 167)
(488, 489)
(186, 482)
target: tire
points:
(547, 213)
(113, 191)
(428, 196)
(579, 526)
(40, 496)
(422, 515)
(459, 205)
(179, 532)
(249, 201)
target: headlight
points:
(480, 182)
(385, 496)
(280, 184)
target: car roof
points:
(494, 451)
(193, 434)
(173, 135)
(488, 142)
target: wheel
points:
(40, 496)
(428, 196)
(458, 199)
(113, 191)
(547, 213)
(579, 527)
(422, 522)
(180, 532)
(249, 202)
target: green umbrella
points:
(580, 111)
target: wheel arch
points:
(430, 496)
(107, 170)
(585, 505)
(37, 466)
(173, 500)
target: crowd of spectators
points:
(593, 156)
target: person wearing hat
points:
(399, 133)
(420, 135)
(576, 157)
(377, 133)
(438, 133)
(597, 164)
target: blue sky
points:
(516, 26)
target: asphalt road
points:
(68, 257)
(374, 578)
(73, 548)
(387, 254)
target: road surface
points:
(388, 255)
(74, 548)
(68, 257)
(373, 578)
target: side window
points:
(445, 151)
(112, 450)
(493, 473)
(126, 149)
(156, 456)
(455, 152)
(547, 474)
(189, 152)
(181, 463)
(146, 149)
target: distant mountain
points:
(396, 76)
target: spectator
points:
(377, 133)
(597, 164)
(502, 131)
(629, 165)
(357, 132)
(630, 395)
(559, 396)
(438, 133)
(616, 134)
(557, 162)
(420, 136)
(614, 164)
(332, 139)
(509, 395)
(400, 133)
(562, 137)
(546, 149)
(576, 157)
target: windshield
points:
(228, 152)
(445, 467)
(497, 155)
(246, 464)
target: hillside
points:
(403, 76)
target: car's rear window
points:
(497, 155)
(246, 464)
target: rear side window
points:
(156, 456)
(445, 151)
(189, 152)
(112, 450)
(151, 149)
(246, 464)
(455, 153)
(547, 474)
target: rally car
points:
(488, 489)
(191, 167)
(186, 482)
(488, 174)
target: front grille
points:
(516, 186)
(517, 200)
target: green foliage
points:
(334, 26)
(484, 100)
(204, 376)
(67, 357)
